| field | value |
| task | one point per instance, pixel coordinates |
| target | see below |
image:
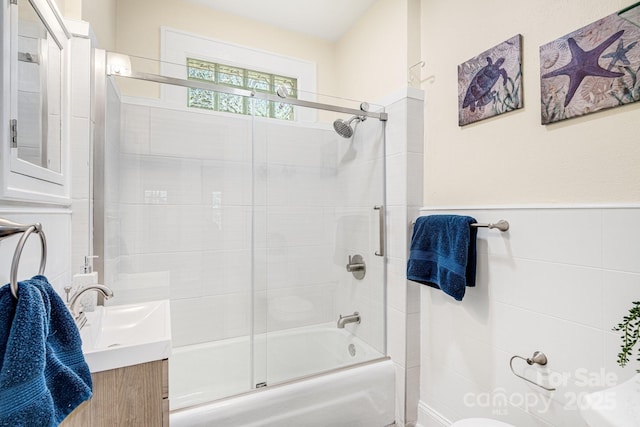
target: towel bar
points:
(9, 228)
(501, 225)
(538, 358)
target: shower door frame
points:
(195, 84)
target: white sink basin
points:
(124, 335)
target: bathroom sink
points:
(124, 335)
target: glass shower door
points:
(247, 225)
(178, 209)
(314, 198)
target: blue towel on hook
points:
(443, 253)
(43, 374)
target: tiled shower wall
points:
(111, 173)
(294, 205)
(189, 215)
(359, 180)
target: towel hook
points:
(538, 358)
(9, 228)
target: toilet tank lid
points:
(615, 406)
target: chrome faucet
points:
(77, 314)
(350, 318)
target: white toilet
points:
(480, 422)
(617, 406)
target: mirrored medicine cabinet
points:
(35, 105)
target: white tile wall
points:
(80, 240)
(113, 224)
(167, 180)
(195, 320)
(190, 212)
(620, 235)
(404, 176)
(557, 282)
(135, 128)
(81, 75)
(354, 229)
(80, 141)
(56, 223)
(198, 135)
(299, 146)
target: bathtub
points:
(201, 376)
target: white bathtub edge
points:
(289, 403)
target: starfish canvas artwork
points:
(490, 83)
(593, 68)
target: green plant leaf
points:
(630, 328)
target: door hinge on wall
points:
(14, 1)
(13, 140)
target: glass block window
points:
(241, 78)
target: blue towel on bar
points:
(43, 374)
(443, 253)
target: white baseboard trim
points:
(429, 417)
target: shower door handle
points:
(380, 209)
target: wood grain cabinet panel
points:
(130, 396)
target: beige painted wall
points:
(71, 9)
(513, 159)
(139, 22)
(372, 58)
(368, 63)
(102, 15)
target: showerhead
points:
(343, 128)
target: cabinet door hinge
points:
(13, 140)
(14, 1)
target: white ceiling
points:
(327, 19)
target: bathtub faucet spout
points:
(351, 318)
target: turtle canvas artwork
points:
(591, 69)
(490, 83)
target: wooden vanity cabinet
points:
(131, 396)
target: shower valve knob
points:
(356, 266)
